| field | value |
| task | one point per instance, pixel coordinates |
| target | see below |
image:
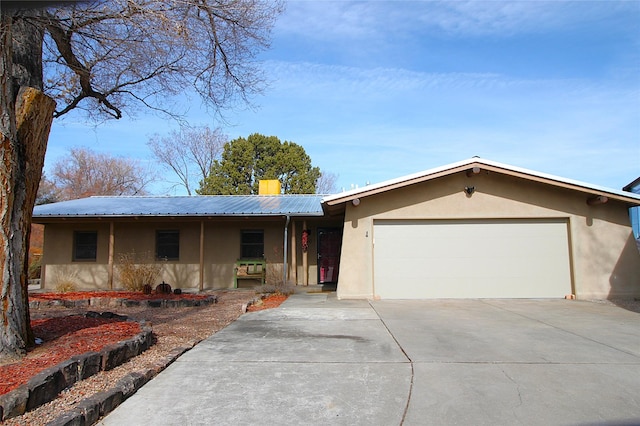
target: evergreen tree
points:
(247, 161)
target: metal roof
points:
(186, 206)
(482, 164)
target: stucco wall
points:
(221, 250)
(605, 262)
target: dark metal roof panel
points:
(204, 205)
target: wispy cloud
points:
(370, 19)
(350, 118)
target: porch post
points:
(294, 254)
(285, 265)
(305, 260)
(201, 282)
(111, 251)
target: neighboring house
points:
(473, 229)
(634, 212)
(197, 239)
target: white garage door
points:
(471, 259)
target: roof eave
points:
(37, 218)
(469, 165)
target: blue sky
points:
(375, 90)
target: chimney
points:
(269, 187)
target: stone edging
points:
(46, 385)
(254, 301)
(91, 409)
(112, 302)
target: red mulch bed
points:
(64, 337)
(271, 301)
(132, 295)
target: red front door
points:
(329, 243)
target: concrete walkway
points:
(316, 360)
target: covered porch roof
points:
(182, 206)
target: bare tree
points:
(189, 153)
(105, 57)
(47, 191)
(327, 183)
(84, 173)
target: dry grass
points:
(274, 282)
(65, 280)
(137, 270)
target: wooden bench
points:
(250, 269)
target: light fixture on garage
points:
(469, 190)
(600, 199)
(474, 171)
(355, 202)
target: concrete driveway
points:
(316, 360)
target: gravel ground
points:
(172, 327)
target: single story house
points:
(472, 229)
(197, 239)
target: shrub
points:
(274, 282)
(65, 280)
(137, 271)
(35, 266)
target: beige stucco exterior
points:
(604, 260)
(601, 259)
(221, 249)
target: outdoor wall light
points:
(355, 202)
(469, 190)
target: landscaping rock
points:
(99, 301)
(14, 403)
(113, 356)
(156, 303)
(75, 303)
(115, 302)
(173, 303)
(69, 370)
(43, 385)
(90, 410)
(70, 418)
(130, 383)
(111, 315)
(89, 363)
(109, 400)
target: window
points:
(252, 244)
(85, 245)
(168, 245)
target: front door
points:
(329, 243)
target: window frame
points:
(87, 247)
(249, 247)
(164, 247)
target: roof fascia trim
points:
(486, 165)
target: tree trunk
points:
(26, 115)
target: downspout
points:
(112, 241)
(286, 249)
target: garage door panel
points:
(449, 259)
